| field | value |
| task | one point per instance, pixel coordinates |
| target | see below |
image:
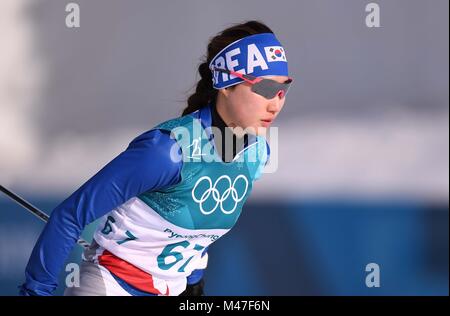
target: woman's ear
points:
(225, 92)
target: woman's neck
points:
(222, 133)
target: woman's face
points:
(241, 107)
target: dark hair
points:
(204, 92)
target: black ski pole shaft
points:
(34, 210)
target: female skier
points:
(177, 187)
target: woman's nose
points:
(275, 104)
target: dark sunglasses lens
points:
(270, 88)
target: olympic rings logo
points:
(218, 198)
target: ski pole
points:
(34, 210)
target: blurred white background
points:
(367, 115)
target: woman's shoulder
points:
(157, 145)
(152, 137)
(176, 122)
(161, 133)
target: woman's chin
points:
(261, 131)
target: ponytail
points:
(204, 92)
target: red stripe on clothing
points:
(129, 273)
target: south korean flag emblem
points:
(275, 53)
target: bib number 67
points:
(169, 252)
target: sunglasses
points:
(267, 88)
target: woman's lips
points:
(266, 123)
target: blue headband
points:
(256, 55)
